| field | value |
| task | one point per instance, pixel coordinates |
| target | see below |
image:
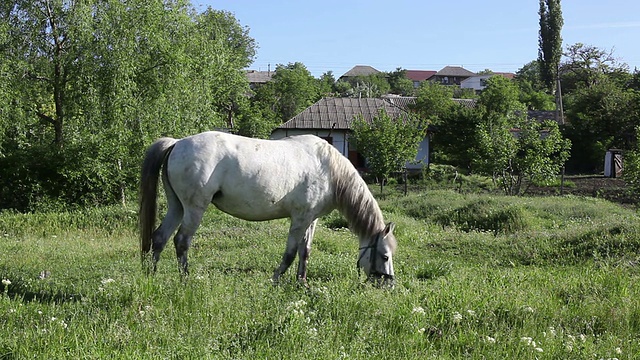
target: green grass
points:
(479, 277)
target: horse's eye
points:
(385, 258)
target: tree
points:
(601, 117)
(99, 80)
(433, 100)
(511, 147)
(293, 89)
(388, 144)
(631, 172)
(587, 66)
(550, 41)
(399, 84)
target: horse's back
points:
(252, 179)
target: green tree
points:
(370, 86)
(100, 80)
(293, 89)
(511, 147)
(601, 116)
(631, 172)
(587, 65)
(387, 144)
(399, 84)
(433, 100)
(550, 41)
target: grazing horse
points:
(300, 177)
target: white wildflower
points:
(421, 330)
(490, 340)
(457, 317)
(418, 310)
(550, 333)
(528, 309)
(569, 347)
(6, 282)
(527, 340)
(582, 337)
(618, 351)
(107, 281)
(539, 349)
(471, 313)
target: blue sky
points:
(501, 35)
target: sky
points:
(500, 35)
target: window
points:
(328, 139)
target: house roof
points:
(458, 71)
(259, 77)
(419, 75)
(338, 113)
(360, 70)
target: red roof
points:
(420, 75)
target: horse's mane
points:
(353, 198)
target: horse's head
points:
(376, 258)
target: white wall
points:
(339, 137)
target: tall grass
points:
(550, 278)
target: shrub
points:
(486, 215)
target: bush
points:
(486, 215)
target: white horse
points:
(300, 177)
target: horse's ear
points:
(389, 228)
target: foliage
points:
(399, 84)
(511, 147)
(293, 89)
(601, 117)
(550, 41)
(388, 144)
(586, 66)
(433, 101)
(631, 172)
(100, 80)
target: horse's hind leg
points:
(163, 232)
(182, 240)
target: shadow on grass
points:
(18, 290)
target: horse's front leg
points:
(304, 251)
(297, 232)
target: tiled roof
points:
(455, 71)
(360, 70)
(255, 76)
(419, 75)
(338, 113)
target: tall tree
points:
(100, 79)
(550, 41)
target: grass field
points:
(478, 277)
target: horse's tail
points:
(153, 160)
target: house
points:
(419, 76)
(331, 119)
(257, 78)
(451, 75)
(359, 70)
(479, 82)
